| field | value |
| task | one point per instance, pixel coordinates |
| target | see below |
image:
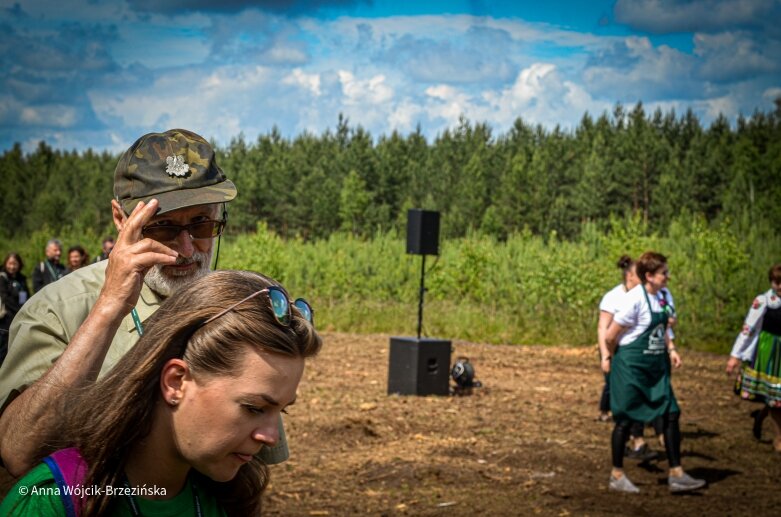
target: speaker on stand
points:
(420, 366)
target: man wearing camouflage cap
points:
(168, 206)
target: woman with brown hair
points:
(13, 294)
(177, 424)
(757, 355)
(610, 303)
(77, 258)
(640, 389)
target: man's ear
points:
(118, 215)
(172, 381)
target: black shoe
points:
(643, 454)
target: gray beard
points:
(167, 284)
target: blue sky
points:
(97, 74)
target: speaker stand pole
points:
(422, 291)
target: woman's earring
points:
(174, 402)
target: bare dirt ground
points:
(525, 444)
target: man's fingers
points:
(150, 259)
(148, 253)
(153, 246)
(140, 256)
(138, 218)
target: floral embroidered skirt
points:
(760, 379)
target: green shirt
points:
(41, 498)
(44, 326)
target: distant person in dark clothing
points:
(50, 269)
(77, 258)
(108, 245)
(13, 292)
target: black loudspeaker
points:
(422, 232)
(419, 366)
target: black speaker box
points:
(419, 366)
(422, 232)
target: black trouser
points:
(672, 439)
(604, 400)
(637, 428)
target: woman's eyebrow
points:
(269, 399)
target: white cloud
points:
(368, 102)
(730, 56)
(310, 82)
(541, 95)
(714, 107)
(448, 103)
(367, 91)
(48, 115)
(532, 82)
(405, 115)
(217, 103)
(286, 54)
(141, 43)
(772, 94)
(385, 31)
(250, 71)
(538, 95)
(634, 69)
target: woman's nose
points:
(268, 432)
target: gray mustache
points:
(198, 258)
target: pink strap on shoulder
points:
(69, 470)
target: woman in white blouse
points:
(640, 389)
(757, 353)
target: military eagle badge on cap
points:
(176, 166)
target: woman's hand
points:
(733, 365)
(605, 364)
(675, 359)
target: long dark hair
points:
(13, 255)
(108, 418)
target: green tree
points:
(354, 199)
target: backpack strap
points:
(69, 470)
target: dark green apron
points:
(640, 375)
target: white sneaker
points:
(684, 483)
(622, 484)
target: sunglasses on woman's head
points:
(280, 306)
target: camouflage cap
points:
(178, 168)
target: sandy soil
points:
(527, 443)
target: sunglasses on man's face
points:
(280, 306)
(168, 232)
